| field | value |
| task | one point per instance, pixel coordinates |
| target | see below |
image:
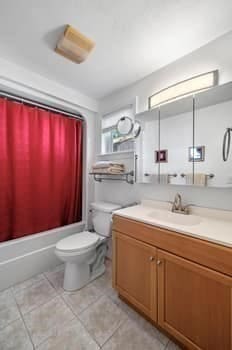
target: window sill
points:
(129, 152)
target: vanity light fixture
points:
(74, 45)
(184, 88)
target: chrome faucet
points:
(177, 206)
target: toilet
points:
(84, 252)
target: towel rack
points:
(172, 175)
(208, 175)
(127, 177)
(169, 175)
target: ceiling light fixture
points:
(74, 45)
(184, 88)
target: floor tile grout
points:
(85, 325)
(27, 330)
(37, 306)
(104, 291)
(18, 318)
(81, 310)
(46, 339)
(76, 317)
(120, 325)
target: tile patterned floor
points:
(39, 314)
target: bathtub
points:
(25, 257)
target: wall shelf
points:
(127, 177)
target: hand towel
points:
(164, 179)
(200, 179)
(189, 179)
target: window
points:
(111, 141)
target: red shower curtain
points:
(40, 170)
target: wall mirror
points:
(145, 146)
(181, 143)
(213, 116)
(176, 136)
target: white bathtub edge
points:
(23, 258)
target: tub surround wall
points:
(25, 257)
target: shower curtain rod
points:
(38, 104)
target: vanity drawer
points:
(203, 252)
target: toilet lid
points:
(78, 241)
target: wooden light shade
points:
(74, 45)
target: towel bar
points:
(208, 175)
(170, 175)
(127, 177)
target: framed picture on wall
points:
(197, 154)
(161, 156)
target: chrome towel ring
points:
(226, 144)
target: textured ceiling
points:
(133, 37)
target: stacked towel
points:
(199, 179)
(189, 179)
(108, 167)
(164, 179)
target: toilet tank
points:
(102, 215)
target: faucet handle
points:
(186, 208)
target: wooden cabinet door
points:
(134, 273)
(194, 303)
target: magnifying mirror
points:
(125, 126)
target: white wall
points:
(215, 55)
(14, 75)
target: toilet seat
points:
(78, 242)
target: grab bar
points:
(226, 144)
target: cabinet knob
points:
(159, 262)
(151, 258)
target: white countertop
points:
(209, 224)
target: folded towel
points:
(164, 179)
(109, 170)
(200, 179)
(106, 164)
(189, 179)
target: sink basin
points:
(175, 218)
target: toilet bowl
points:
(84, 253)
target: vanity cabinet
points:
(183, 284)
(194, 303)
(135, 271)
